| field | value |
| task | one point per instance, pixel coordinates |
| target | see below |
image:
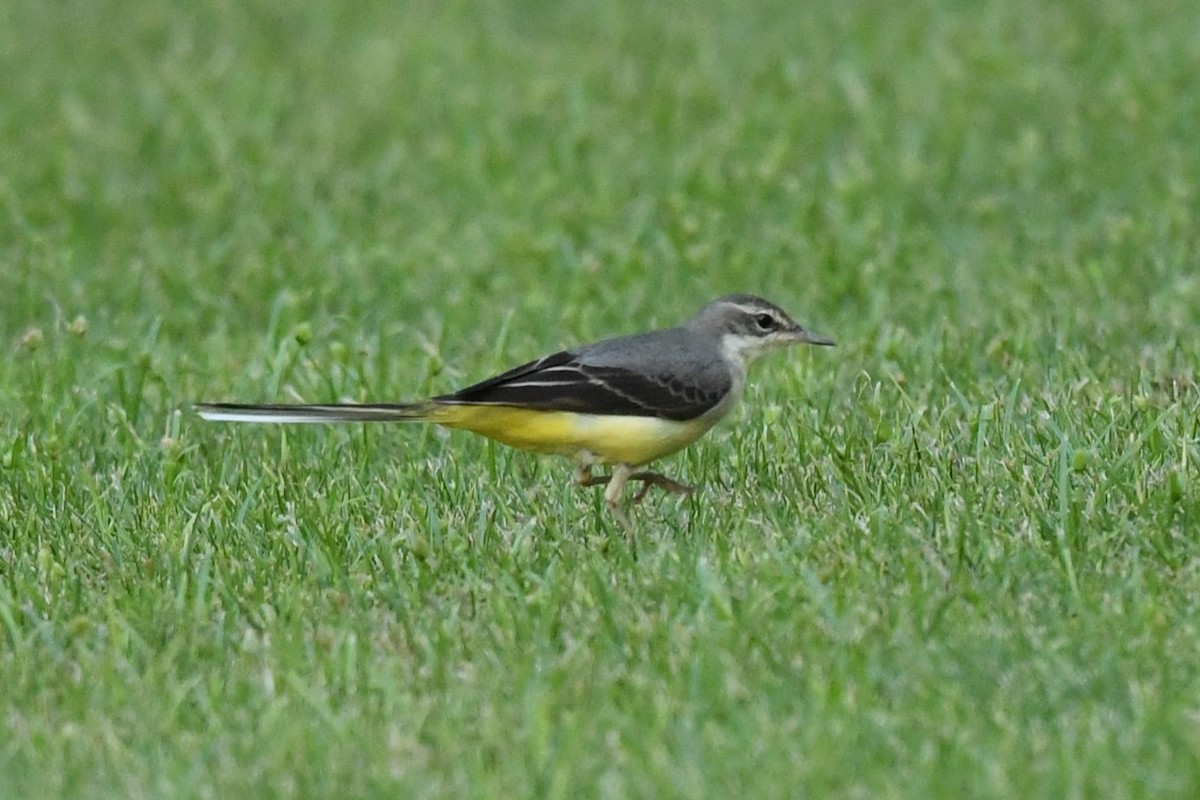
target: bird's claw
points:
(649, 479)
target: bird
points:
(619, 403)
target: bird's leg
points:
(621, 474)
(584, 477)
(616, 481)
(649, 479)
(612, 495)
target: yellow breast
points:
(598, 438)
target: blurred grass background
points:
(955, 556)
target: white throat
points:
(740, 351)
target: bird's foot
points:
(649, 479)
(621, 474)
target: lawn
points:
(956, 556)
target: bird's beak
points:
(801, 336)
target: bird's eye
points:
(765, 322)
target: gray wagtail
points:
(621, 402)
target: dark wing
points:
(561, 382)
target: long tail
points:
(381, 412)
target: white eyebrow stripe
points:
(758, 310)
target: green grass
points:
(957, 556)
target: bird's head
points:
(749, 326)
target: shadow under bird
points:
(620, 402)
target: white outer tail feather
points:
(311, 414)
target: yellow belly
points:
(595, 438)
